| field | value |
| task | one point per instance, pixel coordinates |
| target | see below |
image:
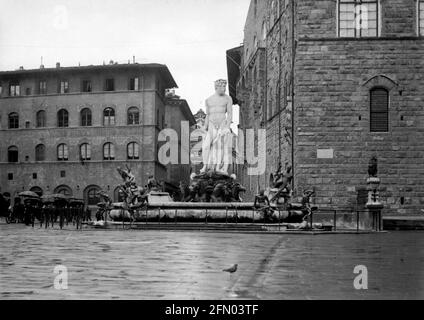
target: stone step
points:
(403, 223)
(185, 226)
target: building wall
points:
(318, 19)
(332, 81)
(331, 95)
(174, 119)
(251, 90)
(149, 99)
(279, 66)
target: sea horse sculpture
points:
(135, 196)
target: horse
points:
(220, 193)
(236, 189)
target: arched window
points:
(133, 151)
(91, 195)
(37, 190)
(86, 117)
(133, 116)
(118, 195)
(108, 151)
(63, 118)
(65, 190)
(85, 152)
(379, 110)
(40, 152)
(41, 119)
(13, 121)
(62, 152)
(109, 117)
(12, 154)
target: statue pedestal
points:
(374, 206)
(213, 186)
(159, 197)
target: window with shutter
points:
(62, 152)
(108, 151)
(379, 117)
(85, 152)
(40, 152)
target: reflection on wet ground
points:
(188, 265)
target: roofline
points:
(164, 70)
(235, 49)
(185, 108)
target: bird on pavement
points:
(232, 269)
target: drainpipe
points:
(279, 88)
(266, 106)
(292, 88)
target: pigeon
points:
(232, 269)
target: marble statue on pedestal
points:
(217, 143)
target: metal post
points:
(206, 216)
(146, 213)
(159, 215)
(335, 220)
(279, 219)
(226, 215)
(357, 221)
(61, 219)
(176, 213)
(312, 219)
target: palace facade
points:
(67, 129)
(333, 83)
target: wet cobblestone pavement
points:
(187, 265)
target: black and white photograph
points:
(227, 151)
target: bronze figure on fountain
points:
(280, 190)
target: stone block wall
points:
(332, 85)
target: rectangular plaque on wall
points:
(325, 153)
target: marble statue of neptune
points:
(217, 143)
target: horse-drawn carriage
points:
(48, 209)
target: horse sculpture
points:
(237, 188)
(211, 187)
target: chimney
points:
(42, 66)
(57, 64)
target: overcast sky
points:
(189, 36)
